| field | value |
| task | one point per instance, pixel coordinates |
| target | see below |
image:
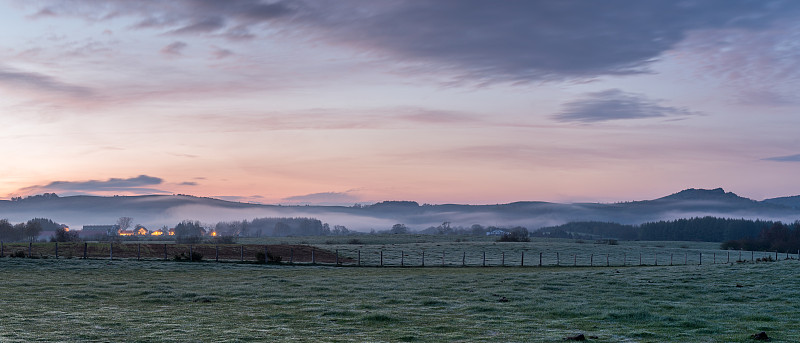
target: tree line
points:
(259, 227)
(704, 229)
(27, 231)
(777, 237)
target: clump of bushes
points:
(765, 259)
(18, 253)
(517, 234)
(224, 240)
(268, 258)
(355, 241)
(195, 257)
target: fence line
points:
(373, 257)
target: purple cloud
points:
(139, 185)
(174, 48)
(615, 104)
(16, 78)
(325, 198)
(788, 158)
(515, 41)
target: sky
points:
(343, 102)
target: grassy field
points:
(470, 250)
(156, 301)
(414, 250)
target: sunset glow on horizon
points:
(344, 102)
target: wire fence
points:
(377, 256)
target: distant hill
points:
(792, 201)
(155, 211)
(717, 194)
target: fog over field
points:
(157, 211)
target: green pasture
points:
(73, 300)
(408, 250)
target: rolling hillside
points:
(158, 210)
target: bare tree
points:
(124, 223)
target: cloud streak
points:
(788, 158)
(325, 198)
(174, 49)
(614, 104)
(40, 82)
(338, 119)
(141, 184)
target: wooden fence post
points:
(503, 259)
(241, 252)
(713, 258)
(540, 259)
(291, 255)
(640, 259)
(670, 259)
(359, 257)
(655, 257)
(729, 257)
(522, 259)
(30, 249)
(776, 254)
(111, 251)
(423, 258)
(2, 251)
(484, 258)
(442, 258)
(591, 260)
(701, 258)
(56, 250)
(402, 258)
(313, 256)
(381, 258)
(608, 263)
(165, 252)
(138, 251)
(191, 254)
(337, 257)
(624, 259)
(558, 260)
(464, 259)
(752, 256)
(216, 253)
(266, 255)
(85, 250)
(575, 263)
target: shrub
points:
(62, 235)
(196, 257)
(188, 239)
(18, 253)
(224, 240)
(355, 241)
(765, 259)
(273, 258)
(268, 258)
(517, 234)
